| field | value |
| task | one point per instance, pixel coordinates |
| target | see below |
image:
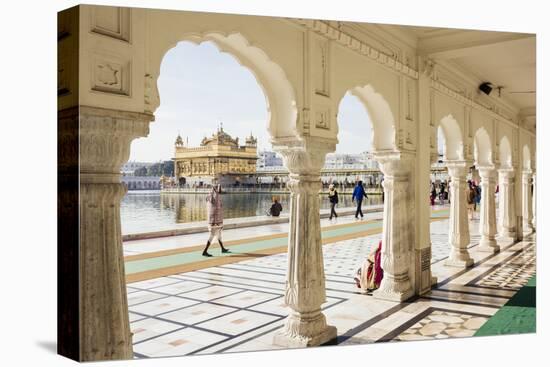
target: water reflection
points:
(151, 211)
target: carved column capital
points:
(458, 169)
(506, 174)
(304, 156)
(396, 165)
(105, 138)
(486, 172)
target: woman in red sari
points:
(370, 274)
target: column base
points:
(459, 263)
(392, 293)
(507, 239)
(459, 258)
(490, 246)
(288, 340)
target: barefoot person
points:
(215, 218)
(369, 276)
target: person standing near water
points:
(333, 197)
(215, 218)
(358, 194)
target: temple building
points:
(219, 158)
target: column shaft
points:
(507, 207)
(527, 213)
(105, 138)
(305, 284)
(459, 232)
(534, 203)
(487, 222)
(396, 238)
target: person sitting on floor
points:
(369, 276)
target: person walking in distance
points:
(333, 198)
(358, 194)
(215, 218)
(470, 198)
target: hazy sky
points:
(200, 87)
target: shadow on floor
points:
(48, 345)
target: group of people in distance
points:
(367, 277)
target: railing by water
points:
(258, 190)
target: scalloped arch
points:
(381, 116)
(454, 146)
(278, 91)
(526, 157)
(483, 154)
(505, 153)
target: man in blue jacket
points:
(358, 194)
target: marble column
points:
(527, 179)
(105, 137)
(305, 281)
(534, 203)
(459, 232)
(396, 239)
(487, 220)
(506, 206)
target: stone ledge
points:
(201, 227)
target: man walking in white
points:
(215, 218)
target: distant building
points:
(219, 158)
(141, 182)
(268, 159)
(129, 167)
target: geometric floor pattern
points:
(440, 324)
(240, 306)
(513, 274)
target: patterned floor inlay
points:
(513, 274)
(441, 324)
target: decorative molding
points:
(325, 29)
(322, 119)
(151, 98)
(440, 87)
(62, 77)
(409, 115)
(305, 121)
(322, 67)
(110, 75)
(113, 22)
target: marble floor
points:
(136, 247)
(239, 307)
